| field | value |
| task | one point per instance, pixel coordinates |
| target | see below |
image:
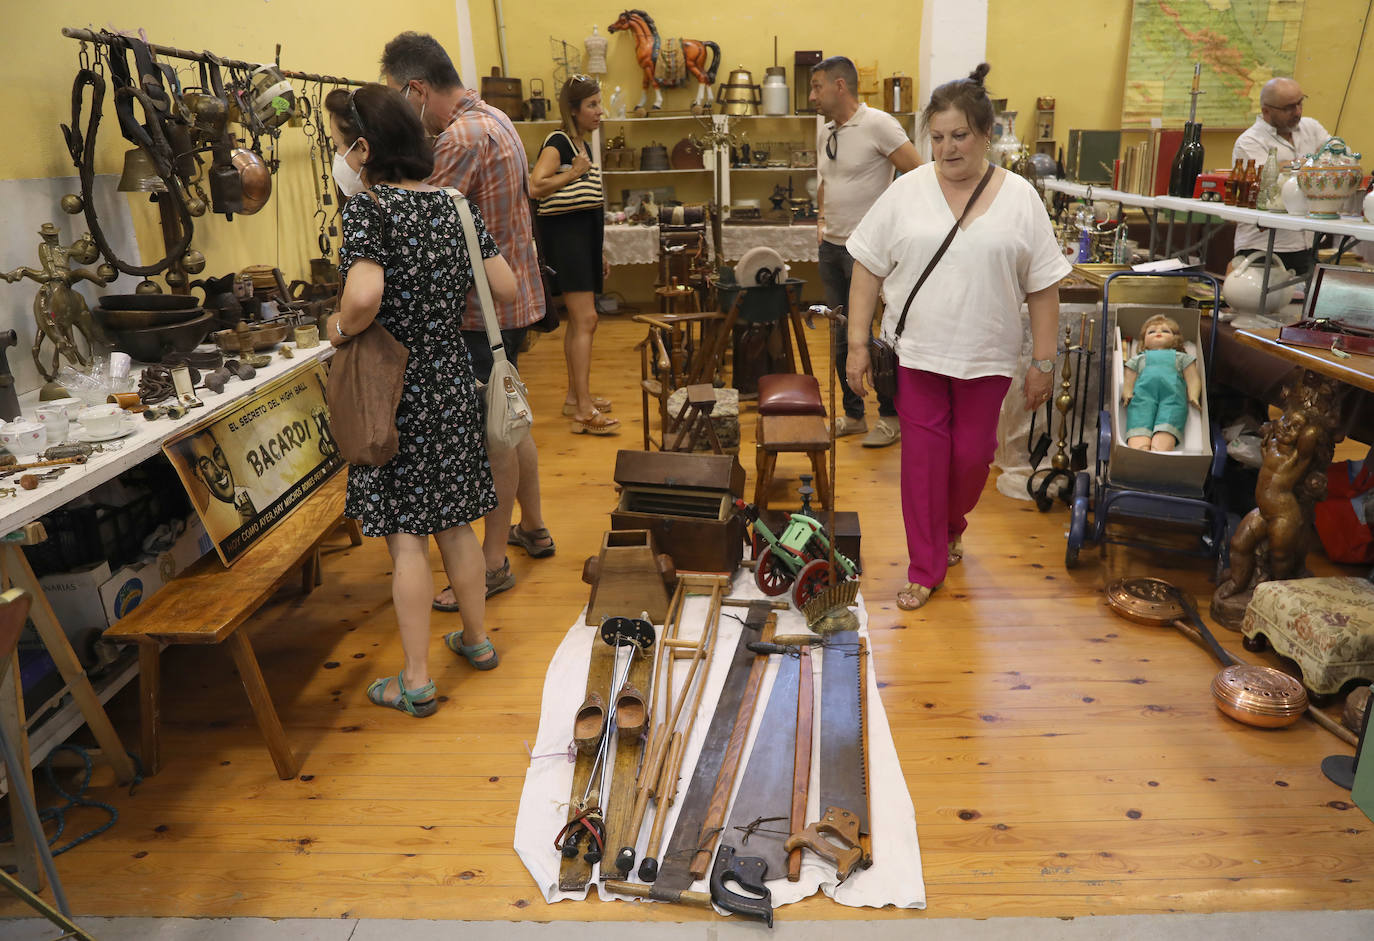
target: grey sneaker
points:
(885, 431)
(844, 425)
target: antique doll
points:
(1158, 385)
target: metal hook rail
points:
(109, 38)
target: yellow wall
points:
(341, 38)
(1077, 54)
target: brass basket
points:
(1139, 290)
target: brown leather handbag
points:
(882, 354)
(364, 391)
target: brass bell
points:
(72, 204)
(177, 279)
(148, 287)
(140, 174)
(196, 206)
(83, 250)
(193, 261)
(107, 272)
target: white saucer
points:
(85, 436)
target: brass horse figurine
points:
(649, 49)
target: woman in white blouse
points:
(959, 347)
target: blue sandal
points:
(470, 652)
(415, 702)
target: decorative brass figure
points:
(1063, 403)
(57, 308)
(1271, 543)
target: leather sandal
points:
(598, 424)
(913, 596)
(498, 580)
(414, 702)
(956, 551)
(630, 712)
(589, 723)
(470, 652)
(528, 539)
(599, 402)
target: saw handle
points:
(834, 838)
(639, 890)
(749, 873)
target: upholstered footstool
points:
(1324, 625)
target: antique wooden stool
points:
(791, 418)
(1324, 625)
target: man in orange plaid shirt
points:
(478, 151)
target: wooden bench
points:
(208, 603)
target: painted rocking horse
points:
(666, 64)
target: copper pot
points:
(1259, 696)
(257, 179)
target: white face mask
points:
(428, 136)
(350, 182)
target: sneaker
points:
(845, 425)
(886, 430)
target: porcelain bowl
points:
(1328, 189)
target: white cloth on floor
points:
(895, 877)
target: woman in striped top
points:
(570, 217)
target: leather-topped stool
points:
(1324, 625)
(791, 419)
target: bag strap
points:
(479, 273)
(940, 252)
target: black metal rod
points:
(86, 35)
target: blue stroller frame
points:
(1097, 497)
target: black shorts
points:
(479, 350)
(572, 248)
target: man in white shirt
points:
(856, 153)
(1280, 127)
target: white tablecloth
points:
(895, 878)
(638, 244)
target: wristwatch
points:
(1044, 365)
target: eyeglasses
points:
(1288, 107)
(832, 143)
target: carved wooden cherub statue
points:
(57, 308)
(1271, 542)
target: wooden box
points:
(1338, 314)
(687, 501)
(897, 94)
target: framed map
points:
(1240, 43)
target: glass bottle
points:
(1251, 181)
(1269, 182)
(1234, 182)
(1188, 162)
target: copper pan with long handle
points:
(1255, 695)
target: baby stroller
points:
(1181, 487)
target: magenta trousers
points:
(949, 436)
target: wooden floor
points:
(1062, 762)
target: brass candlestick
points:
(1063, 403)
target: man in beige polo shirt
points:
(856, 154)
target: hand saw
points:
(842, 836)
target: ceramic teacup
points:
(24, 437)
(55, 419)
(101, 420)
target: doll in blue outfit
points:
(1158, 385)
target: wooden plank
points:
(261, 701)
(399, 819)
(207, 602)
(573, 874)
(620, 801)
(22, 851)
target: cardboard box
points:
(190, 546)
(129, 587)
(75, 598)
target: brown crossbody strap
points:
(940, 252)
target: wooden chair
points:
(869, 88)
(677, 350)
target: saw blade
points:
(758, 824)
(843, 764)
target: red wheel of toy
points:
(770, 575)
(811, 581)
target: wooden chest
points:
(687, 502)
(897, 94)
